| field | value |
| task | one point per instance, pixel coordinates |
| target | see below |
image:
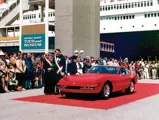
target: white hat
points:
(1, 53)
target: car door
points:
(123, 78)
(115, 80)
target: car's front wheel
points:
(106, 91)
(131, 88)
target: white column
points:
(46, 26)
(77, 25)
(21, 23)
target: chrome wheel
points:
(106, 91)
(132, 87)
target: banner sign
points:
(33, 42)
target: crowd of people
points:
(20, 72)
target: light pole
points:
(79, 52)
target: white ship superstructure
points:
(129, 15)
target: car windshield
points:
(103, 69)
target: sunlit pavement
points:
(144, 109)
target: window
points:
(117, 7)
(111, 7)
(126, 5)
(120, 6)
(103, 8)
(100, 8)
(129, 5)
(151, 14)
(145, 15)
(148, 15)
(145, 3)
(142, 4)
(148, 4)
(122, 71)
(103, 69)
(133, 16)
(138, 4)
(108, 7)
(114, 7)
(155, 14)
(123, 6)
(132, 5)
(32, 16)
(129, 16)
(151, 3)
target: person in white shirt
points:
(20, 72)
(110, 63)
(154, 70)
(80, 66)
(115, 63)
(95, 63)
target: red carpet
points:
(142, 91)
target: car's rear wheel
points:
(131, 88)
(106, 91)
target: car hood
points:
(84, 79)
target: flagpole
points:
(21, 23)
(46, 26)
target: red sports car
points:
(102, 80)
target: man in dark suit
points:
(59, 62)
(72, 67)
